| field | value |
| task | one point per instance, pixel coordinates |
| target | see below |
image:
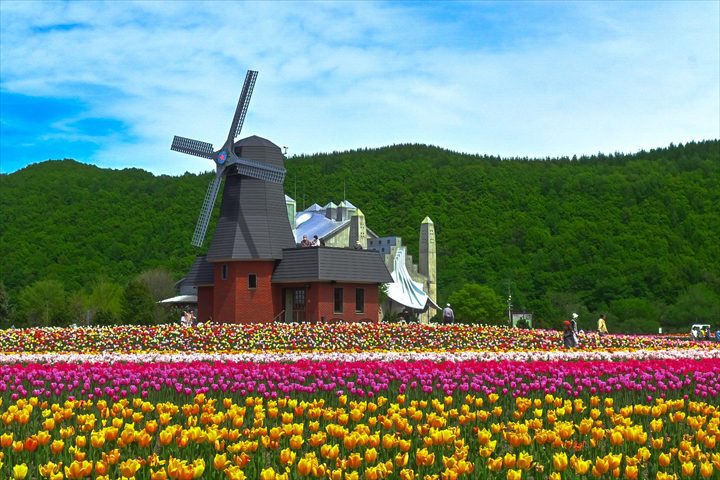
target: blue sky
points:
(110, 83)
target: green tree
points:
(138, 305)
(633, 315)
(476, 303)
(698, 304)
(105, 297)
(160, 283)
(43, 303)
(5, 307)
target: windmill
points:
(227, 162)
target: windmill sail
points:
(206, 211)
(260, 171)
(243, 103)
(192, 147)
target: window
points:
(359, 300)
(252, 281)
(338, 308)
(299, 299)
(224, 271)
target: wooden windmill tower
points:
(253, 227)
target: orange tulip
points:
(57, 446)
(79, 469)
(706, 469)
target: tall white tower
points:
(426, 264)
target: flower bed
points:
(437, 408)
(325, 337)
(363, 420)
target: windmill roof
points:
(201, 272)
(325, 264)
(255, 141)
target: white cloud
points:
(587, 77)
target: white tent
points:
(404, 290)
(180, 299)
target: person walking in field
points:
(567, 335)
(574, 328)
(602, 327)
(448, 315)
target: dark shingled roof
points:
(201, 272)
(324, 264)
(253, 223)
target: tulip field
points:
(355, 401)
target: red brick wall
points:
(234, 302)
(324, 296)
(205, 304)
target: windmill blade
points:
(242, 106)
(192, 147)
(260, 171)
(206, 211)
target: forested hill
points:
(585, 232)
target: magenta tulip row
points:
(644, 379)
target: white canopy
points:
(404, 290)
(180, 299)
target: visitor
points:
(574, 328)
(602, 327)
(315, 241)
(305, 242)
(448, 314)
(717, 335)
(358, 245)
(568, 335)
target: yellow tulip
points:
(401, 459)
(220, 461)
(267, 474)
(514, 474)
(706, 469)
(57, 446)
(664, 459)
(157, 475)
(287, 456)
(20, 471)
(688, 469)
(524, 461)
(423, 458)
(495, 464)
(78, 469)
(48, 469)
(406, 474)
(101, 467)
(631, 472)
(235, 473)
(370, 455)
(128, 468)
(560, 461)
